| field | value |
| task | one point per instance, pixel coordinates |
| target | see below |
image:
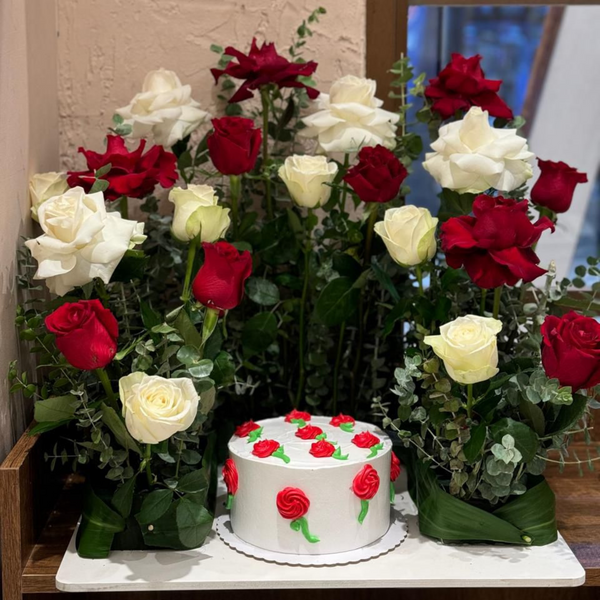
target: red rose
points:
(322, 449)
(495, 245)
(462, 84)
(86, 333)
(244, 429)
(378, 175)
(395, 468)
(230, 476)
(131, 174)
(337, 421)
(263, 66)
(365, 440)
(265, 448)
(366, 483)
(219, 283)
(297, 415)
(571, 350)
(234, 145)
(292, 503)
(555, 186)
(309, 432)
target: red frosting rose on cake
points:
(292, 503)
(322, 449)
(395, 469)
(230, 476)
(341, 419)
(365, 440)
(308, 432)
(245, 428)
(365, 486)
(265, 448)
(297, 415)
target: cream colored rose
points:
(43, 186)
(81, 240)
(471, 156)
(468, 348)
(155, 408)
(305, 178)
(164, 109)
(197, 212)
(351, 117)
(409, 234)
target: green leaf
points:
(112, 420)
(526, 440)
(123, 498)
(454, 204)
(534, 415)
(150, 319)
(259, 332)
(568, 415)
(103, 170)
(99, 186)
(224, 369)
(132, 266)
(189, 356)
(338, 301)
(154, 506)
(346, 266)
(58, 408)
(193, 482)
(202, 369)
(164, 532)
(473, 449)
(194, 523)
(47, 426)
(385, 280)
(262, 291)
(191, 336)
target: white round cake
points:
(309, 485)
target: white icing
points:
(327, 482)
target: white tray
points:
(417, 562)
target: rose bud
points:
(378, 175)
(220, 281)
(234, 145)
(571, 350)
(43, 186)
(306, 177)
(556, 184)
(86, 333)
(409, 234)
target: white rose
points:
(43, 186)
(197, 212)
(468, 348)
(305, 178)
(164, 109)
(350, 118)
(471, 156)
(155, 408)
(409, 234)
(81, 240)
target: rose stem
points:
(148, 459)
(179, 451)
(211, 318)
(336, 370)
(105, 381)
(497, 294)
(264, 96)
(369, 237)
(185, 296)
(302, 336)
(482, 305)
(344, 184)
(124, 207)
(235, 186)
(419, 274)
(469, 399)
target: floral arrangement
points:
(292, 273)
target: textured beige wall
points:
(28, 144)
(106, 47)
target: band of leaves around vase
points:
(301, 524)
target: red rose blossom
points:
(495, 245)
(378, 175)
(322, 449)
(245, 428)
(340, 419)
(292, 503)
(220, 281)
(265, 448)
(571, 350)
(130, 174)
(308, 432)
(230, 476)
(86, 333)
(556, 184)
(262, 66)
(365, 440)
(396, 468)
(234, 145)
(366, 483)
(297, 415)
(462, 84)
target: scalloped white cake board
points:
(418, 562)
